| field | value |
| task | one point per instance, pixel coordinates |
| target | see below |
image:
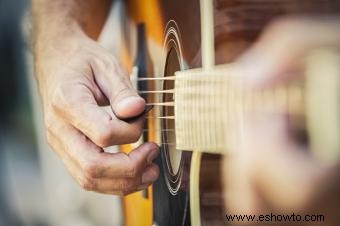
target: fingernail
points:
(128, 107)
(129, 101)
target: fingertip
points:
(151, 150)
(152, 145)
(152, 155)
(150, 174)
(155, 170)
(145, 153)
(252, 68)
(129, 107)
(149, 146)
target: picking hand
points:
(76, 76)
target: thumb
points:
(114, 82)
(126, 103)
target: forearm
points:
(61, 18)
(60, 29)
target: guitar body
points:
(160, 38)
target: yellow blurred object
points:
(138, 206)
(148, 12)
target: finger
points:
(78, 106)
(76, 151)
(283, 45)
(124, 186)
(240, 195)
(96, 164)
(93, 164)
(131, 165)
(115, 83)
(282, 172)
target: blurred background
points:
(35, 188)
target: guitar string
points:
(162, 117)
(290, 95)
(159, 130)
(162, 104)
(156, 78)
(156, 91)
(159, 104)
(169, 144)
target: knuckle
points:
(101, 63)
(108, 64)
(59, 99)
(90, 170)
(87, 184)
(132, 135)
(104, 137)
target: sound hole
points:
(173, 156)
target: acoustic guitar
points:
(171, 48)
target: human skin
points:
(270, 172)
(76, 76)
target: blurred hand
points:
(270, 172)
(76, 76)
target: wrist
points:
(52, 49)
(55, 37)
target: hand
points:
(76, 76)
(271, 173)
